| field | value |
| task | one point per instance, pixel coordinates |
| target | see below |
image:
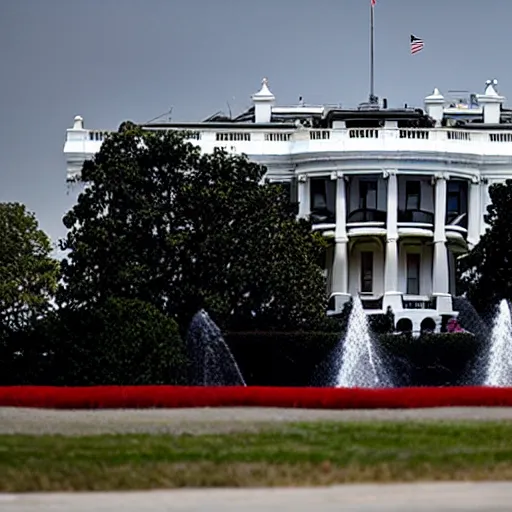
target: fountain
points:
(211, 361)
(361, 366)
(499, 366)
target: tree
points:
(28, 273)
(163, 223)
(485, 274)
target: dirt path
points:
(214, 420)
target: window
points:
(413, 274)
(323, 200)
(412, 195)
(368, 195)
(453, 199)
(366, 272)
(318, 194)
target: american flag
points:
(416, 44)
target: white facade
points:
(400, 203)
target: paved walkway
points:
(215, 420)
(440, 497)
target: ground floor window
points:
(366, 272)
(413, 274)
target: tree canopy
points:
(485, 274)
(28, 273)
(161, 222)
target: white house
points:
(399, 192)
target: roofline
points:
(395, 114)
(484, 126)
(203, 125)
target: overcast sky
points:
(112, 60)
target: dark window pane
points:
(413, 274)
(366, 272)
(368, 195)
(412, 195)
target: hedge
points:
(433, 359)
(280, 358)
(120, 342)
(305, 359)
(132, 397)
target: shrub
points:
(26, 356)
(120, 342)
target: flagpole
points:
(372, 99)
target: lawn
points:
(293, 454)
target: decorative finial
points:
(490, 87)
(435, 98)
(78, 123)
(264, 93)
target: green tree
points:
(28, 273)
(163, 223)
(118, 342)
(485, 274)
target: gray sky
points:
(112, 60)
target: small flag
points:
(416, 44)
(373, 2)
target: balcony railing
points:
(416, 216)
(288, 140)
(323, 216)
(366, 215)
(419, 303)
(372, 303)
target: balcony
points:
(372, 303)
(406, 217)
(420, 302)
(366, 222)
(323, 216)
(81, 143)
(364, 215)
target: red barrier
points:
(144, 397)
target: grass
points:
(293, 454)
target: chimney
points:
(434, 106)
(491, 102)
(263, 101)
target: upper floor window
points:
(323, 200)
(368, 195)
(456, 202)
(412, 195)
(453, 198)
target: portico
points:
(390, 242)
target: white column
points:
(474, 213)
(304, 196)
(441, 276)
(339, 287)
(392, 296)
